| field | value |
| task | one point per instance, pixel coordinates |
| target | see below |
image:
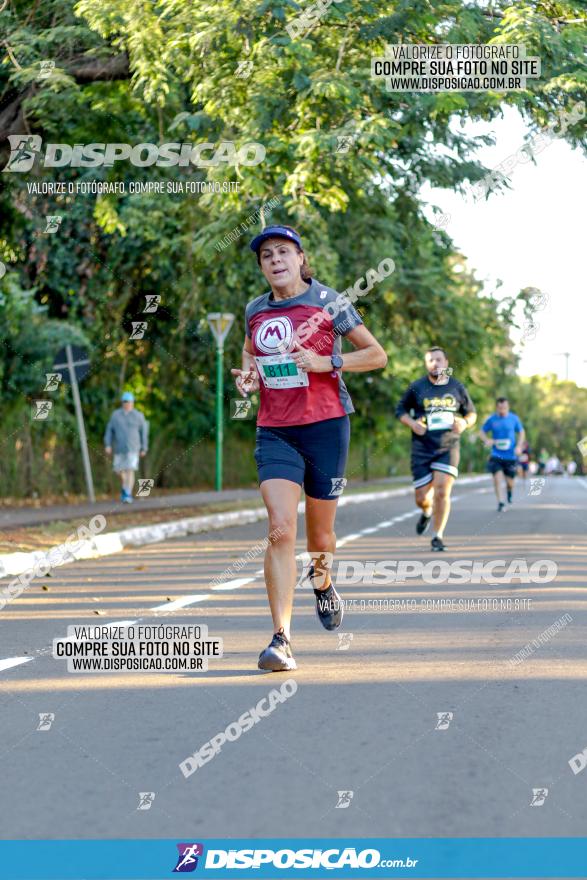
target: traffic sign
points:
(79, 362)
(220, 323)
(73, 360)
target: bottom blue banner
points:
(292, 857)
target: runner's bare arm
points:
(470, 419)
(416, 426)
(407, 402)
(520, 442)
(368, 354)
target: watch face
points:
(336, 361)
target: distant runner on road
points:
(438, 409)
(292, 356)
(524, 459)
(503, 426)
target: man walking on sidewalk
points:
(127, 433)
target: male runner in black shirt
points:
(438, 409)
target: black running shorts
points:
(314, 455)
(507, 465)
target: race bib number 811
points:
(279, 371)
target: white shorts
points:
(125, 461)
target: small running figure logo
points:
(146, 799)
(539, 795)
(152, 302)
(53, 222)
(338, 484)
(536, 485)
(344, 799)
(444, 719)
(23, 152)
(242, 408)
(46, 69)
(345, 142)
(46, 719)
(188, 857)
(53, 380)
(344, 641)
(244, 69)
(138, 329)
(42, 409)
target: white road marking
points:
(13, 661)
(235, 584)
(348, 538)
(181, 603)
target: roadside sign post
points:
(75, 359)
(220, 323)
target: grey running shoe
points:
(437, 544)
(329, 608)
(277, 656)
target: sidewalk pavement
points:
(12, 517)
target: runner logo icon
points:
(23, 151)
(539, 795)
(338, 484)
(188, 857)
(444, 719)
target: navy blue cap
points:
(274, 232)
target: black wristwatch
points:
(336, 361)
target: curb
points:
(115, 542)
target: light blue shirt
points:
(503, 429)
(127, 431)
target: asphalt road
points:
(363, 719)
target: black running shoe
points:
(422, 524)
(501, 507)
(329, 608)
(437, 544)
(277, 656)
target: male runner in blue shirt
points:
(503, 426)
